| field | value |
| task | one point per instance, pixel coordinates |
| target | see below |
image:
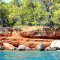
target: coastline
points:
(16, 37)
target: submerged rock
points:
(21, 47)
(8, 46)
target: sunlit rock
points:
(21, 47)
(8, 46)
(40, 47)
(50, 49)
(55, 43)
(27, 48)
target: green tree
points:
(3, 14)
(30, 12)
(55, 8)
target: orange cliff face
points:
(16, 39)
(30, 38)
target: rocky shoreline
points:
(17, 39)
(41, 47)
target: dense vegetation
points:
(30, 12)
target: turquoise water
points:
(29, 55)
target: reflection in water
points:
(29, 55)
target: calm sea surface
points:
(29, 55)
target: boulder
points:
(53, 49)
(1, 48)
(50, 49)
(47, 48)
(16, 44)
(27, 48)
(31, 45)
(40, 47)
(55, 43)
(8, 46)
(21, 47)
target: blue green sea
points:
(29, 55)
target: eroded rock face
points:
(57, 33)
(8, 46)
(42, 34)
(55, 43)
(31, 32)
